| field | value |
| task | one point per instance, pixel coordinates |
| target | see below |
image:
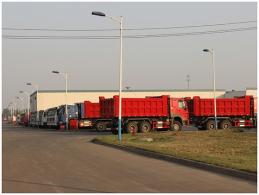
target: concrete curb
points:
(200, 165)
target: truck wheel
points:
(225, 124)
(210, 125)
(145, 127)
(100, 126)
(176, 126)
(132, 127)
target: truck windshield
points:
(181, 104)
(72, 112)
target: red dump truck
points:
(89, 116)
(165, 112)
(237, 112)
(145, 114)
(24, 119)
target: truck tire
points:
(132, 127)
(100, 126)
(210, 125)
(176, 126)
(225, 124)
(145, 127)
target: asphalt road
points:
(37, 160)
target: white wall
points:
(52, 99)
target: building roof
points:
(233, 93)
(251, 88)
(130, 90)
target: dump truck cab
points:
(179, 111)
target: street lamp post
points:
(11, 110)
(16, 110)
(28, 104)
(211, 51)
(14, 107)
(188, 81)
(66, 113)
(22, 102)
(36, 86)
(119, 20)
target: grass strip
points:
(228, 148)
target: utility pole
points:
(188, 81)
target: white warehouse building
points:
(44, 99)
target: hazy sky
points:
(149, 63)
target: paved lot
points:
(37, 160)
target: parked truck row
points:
(150, 113)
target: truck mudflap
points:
(73, 124)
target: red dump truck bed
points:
(239, 106)
(134, 107)
(91, 110)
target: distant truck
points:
(33, 121)
(23, 119)
(89, 116)
(237, 112)
(56, 118)
(72, 111)
(53, 117)
(42, 119)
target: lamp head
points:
(98, 14)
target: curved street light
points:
(28, 104)
(98, 13)
(11, 105)
(22, 101)
(65, 75)
(119, 20)
(36, 86)
(211, 51)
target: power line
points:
(194, 26)
(129, 29)
(130, 36)
(199, 33)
